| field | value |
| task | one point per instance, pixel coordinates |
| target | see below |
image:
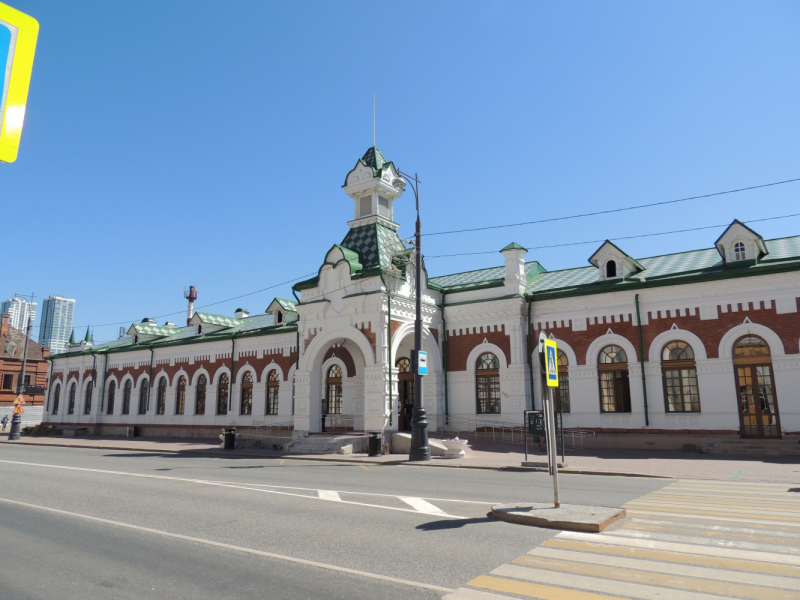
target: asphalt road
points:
(104, 524)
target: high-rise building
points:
(20, 310)
(56, 326)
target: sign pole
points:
(551, 444)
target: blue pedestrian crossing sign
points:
(422, 363)
(551, 363)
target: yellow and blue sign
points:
(18, 34)
(551, 363)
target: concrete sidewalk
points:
(487, 455)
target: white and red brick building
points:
(717, 330)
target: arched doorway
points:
(405, 394)
(334, 390)
(755, 388)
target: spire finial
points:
(373, 119)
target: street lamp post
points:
(419, 422)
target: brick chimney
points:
(5, 323)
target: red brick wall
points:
(345, 356)
(787, 326)
(461, 344)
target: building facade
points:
(653, 352)
(12, 347)
(56, 323)
(19, 311)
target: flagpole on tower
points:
(373, 119)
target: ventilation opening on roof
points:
(383, 207)
(611, 269)
(365, 207)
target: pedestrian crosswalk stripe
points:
(533, 590)
(707, 517)
(667, 580)
(595, 584)
(689, 540)
(733, 564)
(786, 517)
(750, 510)
(677, 547)
(668, 568)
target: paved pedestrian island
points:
(690, 540)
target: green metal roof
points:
(374, 159)
(684, 265)
(286, 304)
(220, 320)
(151, 329)
(482, 277)
(514, 246)
(374, 244)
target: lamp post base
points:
(419, 436)
(16, 424)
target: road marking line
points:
(533, 590)
(736, 475)
(329, 495)
(668, 568)
(363, 467)
(423, 506)
(664, 580)
(468, 594)
(723, 533)
(683, 558)
(281, 462)
(770, 557)
(652, 513)
(726, 498)
(750, 509)
(602, 586)
(783, 518)
(253, 551)
(240, 486)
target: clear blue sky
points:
(205, 143)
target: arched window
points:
(161, 396)
(404, 365)
(144, 396)
(72, 391)
(112, 391)
(222, 394)
(273, 386)
(126, 397)
(334, 386)
(487, 381)
(679, 373)
(755, 387)
(200, 395)
(739, 251)
(615, 390)
(246, 404)
(87, 402)
(562, 391)
(611, 269)
(180, 396)
(56, 398)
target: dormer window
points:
(199, 329)
(739, 252)
(136, 339)
(611, 269)
(280, 316)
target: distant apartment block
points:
(56, 325)
(19, 310)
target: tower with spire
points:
(370, 185)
